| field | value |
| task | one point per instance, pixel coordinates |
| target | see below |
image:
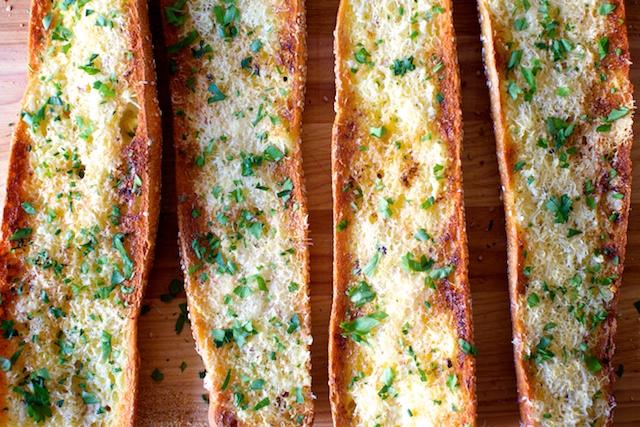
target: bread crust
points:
(293, 55)
(344, 146)
(603, 104)
(145, 151)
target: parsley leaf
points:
(606, 8)
(603, 47)
(217, 95)
(560, 130)
(370, 269)
(409, 264)
(377, 132)
(617, 114)
(560, 207)
(514, 59)
(360, 328)
(401, 66)
(466, 347)
(175, 14)
(593, 364)
(361, 294)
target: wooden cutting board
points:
(177, 399)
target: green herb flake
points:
(521, 24)
(156, 375)
(514, 59)
(561, 208)
(409, 264)
(264, 402)
(377, 132)
(466, 347)
(606, 8)
(428, 203)
(20, 234)
(387, 381)
(360, 327)
(191, 37)
(5, 364)
(370, 269)
(89, 398)
(513, 90)
(593, 364)
(361, 294)
(46, 21)
(422, 235)
(175, 14)
(401, 66)
(217, 95)
(256, 45)
(603, 47)
(617, 114)
(452, 382)
(28, 208)
(533, 300)
(106, 345)
(294, 324)
(519, 166)
(572, 232)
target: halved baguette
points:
(400, 349)
(80, 217)
(561, 98)
(237, 91)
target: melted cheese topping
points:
(68, 307)
(400, 369)
(251, 284)
(570, 268)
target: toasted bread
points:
(237, 91)
(400, 349)
(80, 217)
(562, 105)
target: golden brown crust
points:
(455, 294)
(292, 56)
(602, 102)
(144, 152)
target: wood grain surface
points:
(177, 399)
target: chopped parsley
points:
(387, 381)
(226, 17)
(215, 91)
(401, 66)
(603, 47)
(370, 269)
(361, 294)
(409, 264)
(561, 208)
(156, 375)
(514, 59)
(606, 8)
(359, 328)
(466, 347)
(175, 14)
(377, 132)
